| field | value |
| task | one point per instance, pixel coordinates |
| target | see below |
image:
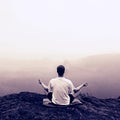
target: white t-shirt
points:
(61, 88)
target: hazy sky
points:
(59, 28)
(37, 35)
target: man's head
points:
(60, 70)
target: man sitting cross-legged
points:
(61, 91)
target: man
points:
(61, 91)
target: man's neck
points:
(60, 76)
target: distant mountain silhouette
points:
(28, 106)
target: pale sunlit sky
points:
(66, 28)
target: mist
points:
(101, 72)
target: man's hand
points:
(39, 82)
(85, 84)
(43, 85)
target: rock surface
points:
(28, 106)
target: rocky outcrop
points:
(28, 106)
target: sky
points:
(37, 35)
(58, 29)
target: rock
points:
(28, 106)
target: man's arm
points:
(43, 85)
(79, 87)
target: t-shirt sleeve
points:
(50, 88)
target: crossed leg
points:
(73, 99)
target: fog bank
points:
(100, 71)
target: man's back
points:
(61, 88)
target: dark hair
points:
(60, 70)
